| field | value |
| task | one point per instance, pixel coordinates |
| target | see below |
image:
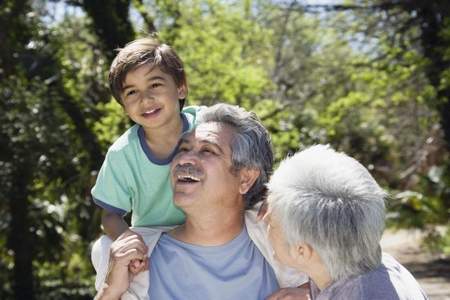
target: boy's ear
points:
(182, 91)
(248, 177)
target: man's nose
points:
(187, 157)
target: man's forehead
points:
(213, 132)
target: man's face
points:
(202, 175)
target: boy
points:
(148, 80)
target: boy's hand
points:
(123, 250)
(137, 265)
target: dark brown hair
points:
(145, 51)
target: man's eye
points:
(155, 85)
(207, 151)
(181, 150)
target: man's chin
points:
(181, 199)
(185, 188)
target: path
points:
(432, 272)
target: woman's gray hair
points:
(331, 202)
(250, 147)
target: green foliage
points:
(218, 43)
(439, 240)
(112, 124)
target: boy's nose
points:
(148, 95)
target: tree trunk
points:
(19, 235)
(110, 20)
(432, 22)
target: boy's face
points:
(151, 98)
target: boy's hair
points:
(145, 51)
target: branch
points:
(274, 112)
(314, 8)
(148, 20)
(279, 50)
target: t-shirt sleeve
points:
(111, 191)
(193, 112)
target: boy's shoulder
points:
(127, 139)
(192, 109)
(192, 112)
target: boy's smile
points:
(151, 98)
(151, 113)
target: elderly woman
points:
(326, 217)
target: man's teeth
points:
(187, 178)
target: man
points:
(326, 218)
(221, 252)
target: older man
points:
(326, 217)
(221, 252)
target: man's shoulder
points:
(257, 231)
(192, 109)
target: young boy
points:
(148, 80)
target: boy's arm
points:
(123, 251)
(106, 293)
(113, 224)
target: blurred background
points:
(369, 77)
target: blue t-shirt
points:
(235, 270)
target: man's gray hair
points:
(331, 202)
(250, 147)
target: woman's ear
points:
(301, 252)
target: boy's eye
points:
(130, 93)
(155, 85)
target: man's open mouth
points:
(187, 179)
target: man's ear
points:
(247, 179)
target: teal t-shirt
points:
(131, 179)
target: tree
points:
(432, 38)
(393, 98)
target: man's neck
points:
(211, 230)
